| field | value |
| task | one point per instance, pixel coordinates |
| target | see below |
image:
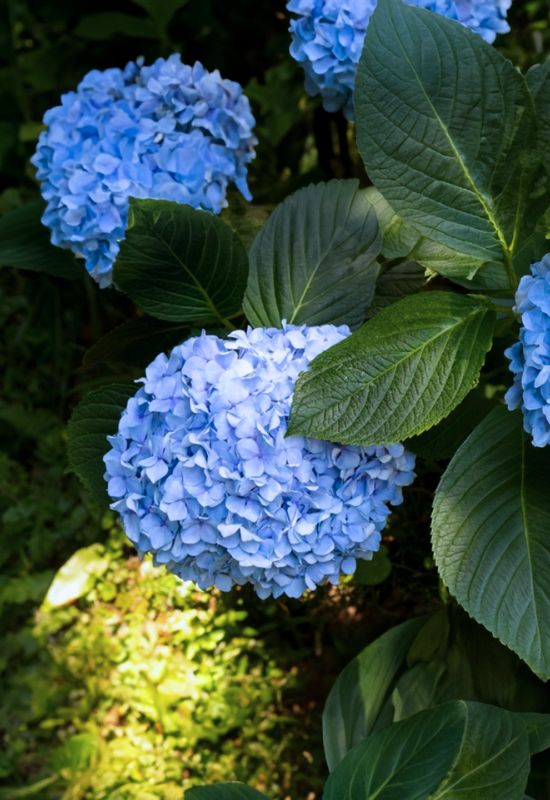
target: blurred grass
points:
(141, 685)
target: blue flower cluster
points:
(328, 37)
(204, 478)
(166, 131)
(530, 357)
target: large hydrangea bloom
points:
(204, 478)
(167, 131)
(530, 357)
(328, 37)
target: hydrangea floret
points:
(168, 131)
(328, 37)
(530, 356)
(204, 478)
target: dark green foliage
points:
(459, 749)
(490, 535)
(420, 664)
(180, 264)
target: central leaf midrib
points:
(500, 234)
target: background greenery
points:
(127, 684)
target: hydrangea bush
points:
(269, 444)
(204, 478)
(167, 130)
(328, 38)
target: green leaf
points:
(490, 535)
(401, 373)
(95, 418)
(538, 80)
(25, 243)
(135, 342)
(362, 688)
(224, 791)
(314, 261)
(77, 576)
(397, 282)
(180, 264)
(444, 439)
(445, 126)
(538, 728)
(456, 751)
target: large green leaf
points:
(362, 688)
(95, 418)
(25, 243)
(445, 126)
(456, 751)
(490, 535)
(180, 264)
(401, 373)
(224, 791)
(314, 261)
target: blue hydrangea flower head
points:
(205, 480)
(530, 356)
(166, 131)
(328, 37)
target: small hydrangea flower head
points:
(166, 131)
(530, 356)
(205, 480)
(328, 37)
